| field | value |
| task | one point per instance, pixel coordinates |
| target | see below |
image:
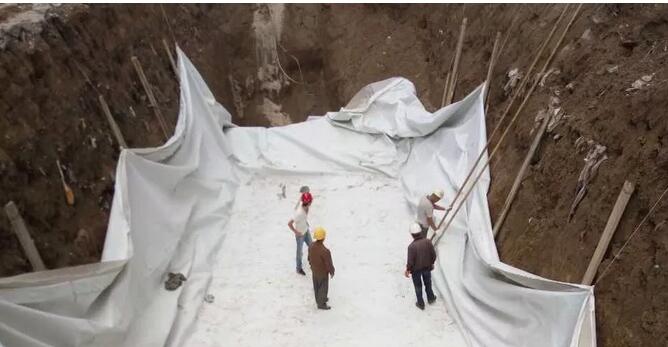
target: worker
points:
(425, 210)
(302, 190)
(300, 227)
(322, 268)
(419, 263)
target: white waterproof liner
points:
(172, 202)
(260, 300)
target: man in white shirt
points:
(300, 227)
(425, 210)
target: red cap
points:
(306, 198)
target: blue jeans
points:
(301, 240)
(419, 277)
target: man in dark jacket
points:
(321, 267)
(420, 262)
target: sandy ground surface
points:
(261, 301)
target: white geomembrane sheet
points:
(255, 282)
(205, 204)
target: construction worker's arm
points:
(291, 225)
(441, 208)
(330, 263)
(410, 261)
(430, 221)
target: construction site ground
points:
(609, 77)
(255, 281)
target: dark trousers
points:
(419, 277)
(320, 288)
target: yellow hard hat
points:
(319, 233)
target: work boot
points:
(326, 307)
(420, 306)
(432, 300)
(301, 272)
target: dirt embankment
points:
(53, 64)
(609, 49)
(275, 64)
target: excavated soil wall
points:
(274, 64)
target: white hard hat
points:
(439, 193)
(415, 228)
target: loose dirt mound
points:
(609, 78)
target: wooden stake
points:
(504, 114)
(512, 121)
(23, 235)
(608, 232)
(455, 66)
(445, 89)
(635, 231)
(112, 123)
(490, 70)
(69, 194)
(149, 93)
(520, 176)
(510, 29)
(172, 62)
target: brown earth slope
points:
(271, 65)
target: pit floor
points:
(261, 301)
